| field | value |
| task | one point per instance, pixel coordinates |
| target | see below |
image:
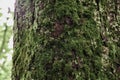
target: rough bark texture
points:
(66, 40)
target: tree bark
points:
(66, 40)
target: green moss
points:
(75, 54)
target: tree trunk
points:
(66, 40)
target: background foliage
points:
(5, 45)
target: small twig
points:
(4, 38)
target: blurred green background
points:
(6, 38)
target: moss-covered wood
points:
(66, 40)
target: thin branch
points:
(4, 38)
